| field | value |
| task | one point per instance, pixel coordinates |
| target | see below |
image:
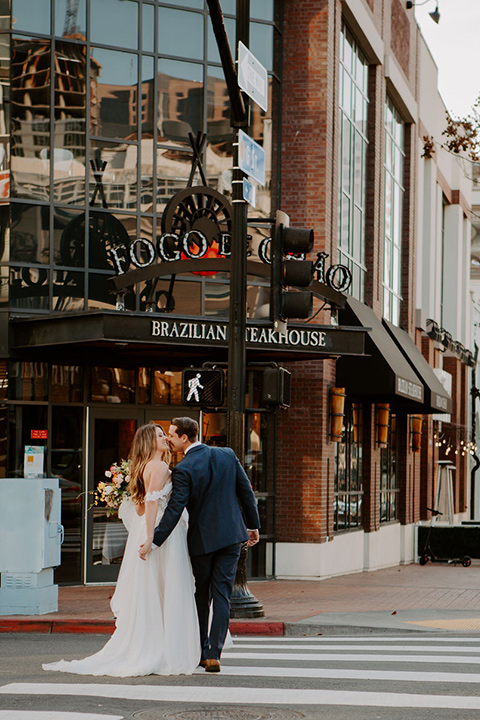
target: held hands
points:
(253, 537)
(145, 549)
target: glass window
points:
(68, 291)
(3, 440)
(3, 379)
(213, 54)
(353, 146)
(30, 233)
(112, 385)
(144, 385)
(217, 299)
(67, 383)
(262, 10)
(179, 297)
(114, 83)
(29, 16)
(389, 488)
(394, 192)
(112, 180)
(106, 231)
(167, 387)
(148, 27)
(261, 43)
(180, 100)
(100, 297)
(68, 237)
(198, 4)
(29, 288)
(180, 33)
(30, 126)
(28, 381)
(214, 429)
(22, 419)
(71, 19)
(348, 482)
(114, 22)
(69, 126)
(67, 461)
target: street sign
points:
(251, 157)
(252, 76)
(203, 387)
(249, 192)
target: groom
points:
(210, 483)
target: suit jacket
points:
(210, 483)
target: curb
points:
(107, 627)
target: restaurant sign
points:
(329, 340)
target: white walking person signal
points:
(194, 385)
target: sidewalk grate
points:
(453, 624)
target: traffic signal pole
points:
(243, 603)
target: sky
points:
(454, 44)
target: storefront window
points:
(28, 381)
(167, 387)
(67, 383)
(144, 385)
(389, 489)
(22, 421)
(353, 148)
(112, 385)
(214, 430)
(3, 440)
(348, 483)
(67, 465)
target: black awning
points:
(435, 394)
(384, 376)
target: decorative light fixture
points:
(337, 412)
(383, 416)
(416, 432)
(435, 15)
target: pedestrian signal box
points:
(203, 387)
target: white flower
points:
(108, 490)
(108, 473)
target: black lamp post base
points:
(245, 605)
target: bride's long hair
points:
(143, 449)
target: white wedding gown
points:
(154, 606)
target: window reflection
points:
(167, 387)
(68, 237)
(107, 231)
(112, 385)
(148, 27)
(68, 290)
(214, 429)
(67, 383)
(100, 297)
(113, 175)
(30, 233)
(69, 126)
(144, 385)
(28, 381)
(179, 297)
(113, 78)
(180, 33)
(70, 19)
(31, 16)
(123, 31)
(30, 137)
(180, 100)
(29, 288)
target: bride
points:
(154, 606)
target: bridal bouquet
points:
(115, 488)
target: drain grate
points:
(219, 713)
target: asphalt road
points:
(402, 677)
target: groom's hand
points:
(253, 537)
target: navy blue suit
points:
(210, 483)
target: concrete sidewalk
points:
(430, 598)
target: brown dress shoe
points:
(202, 663)
(212, 665)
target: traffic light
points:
(290, 271)
(203, 387)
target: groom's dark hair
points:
(186, 426)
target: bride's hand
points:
(145, 549)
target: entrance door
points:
(110, 434)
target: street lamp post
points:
(243, 603)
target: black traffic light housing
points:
(293, 272)
(203, 387)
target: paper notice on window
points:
(33, 464)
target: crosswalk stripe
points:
(344, 657)
(248, 696)
(415, 637)
(49, 715)
(339, 646)
(327, 673)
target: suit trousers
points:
(214, 577)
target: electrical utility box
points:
(31, 535)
